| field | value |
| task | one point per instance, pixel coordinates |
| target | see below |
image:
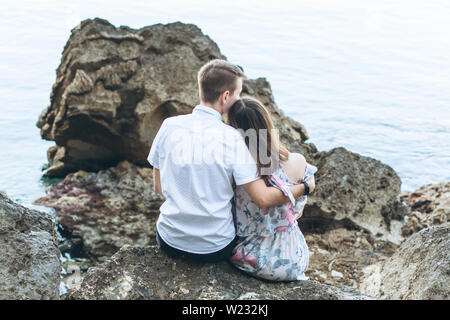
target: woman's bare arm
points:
(265, 196)
(295, 166)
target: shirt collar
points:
(204, 109)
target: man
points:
(195, 158)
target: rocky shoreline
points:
(344, 263)
(114, 88)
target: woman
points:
(270, 245)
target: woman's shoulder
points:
(295, 166)
(297, 158)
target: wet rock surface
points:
(29, 256)
(103, 211)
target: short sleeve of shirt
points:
(244, 165)
(153, 156)
(309, 172)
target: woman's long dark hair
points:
(249, 113)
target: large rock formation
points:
(114, 88)
(29, 257)
(419, 268)
(147, 273)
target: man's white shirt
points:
(198, 155)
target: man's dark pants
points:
(221, 255)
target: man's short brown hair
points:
(216, 77)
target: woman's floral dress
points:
(271, 245)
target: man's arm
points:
(270, 196)
(157, 181)
(153, 156)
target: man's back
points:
(197, 156)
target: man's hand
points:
(311, 183)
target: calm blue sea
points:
(371, 76)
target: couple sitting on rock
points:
(232, 191)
